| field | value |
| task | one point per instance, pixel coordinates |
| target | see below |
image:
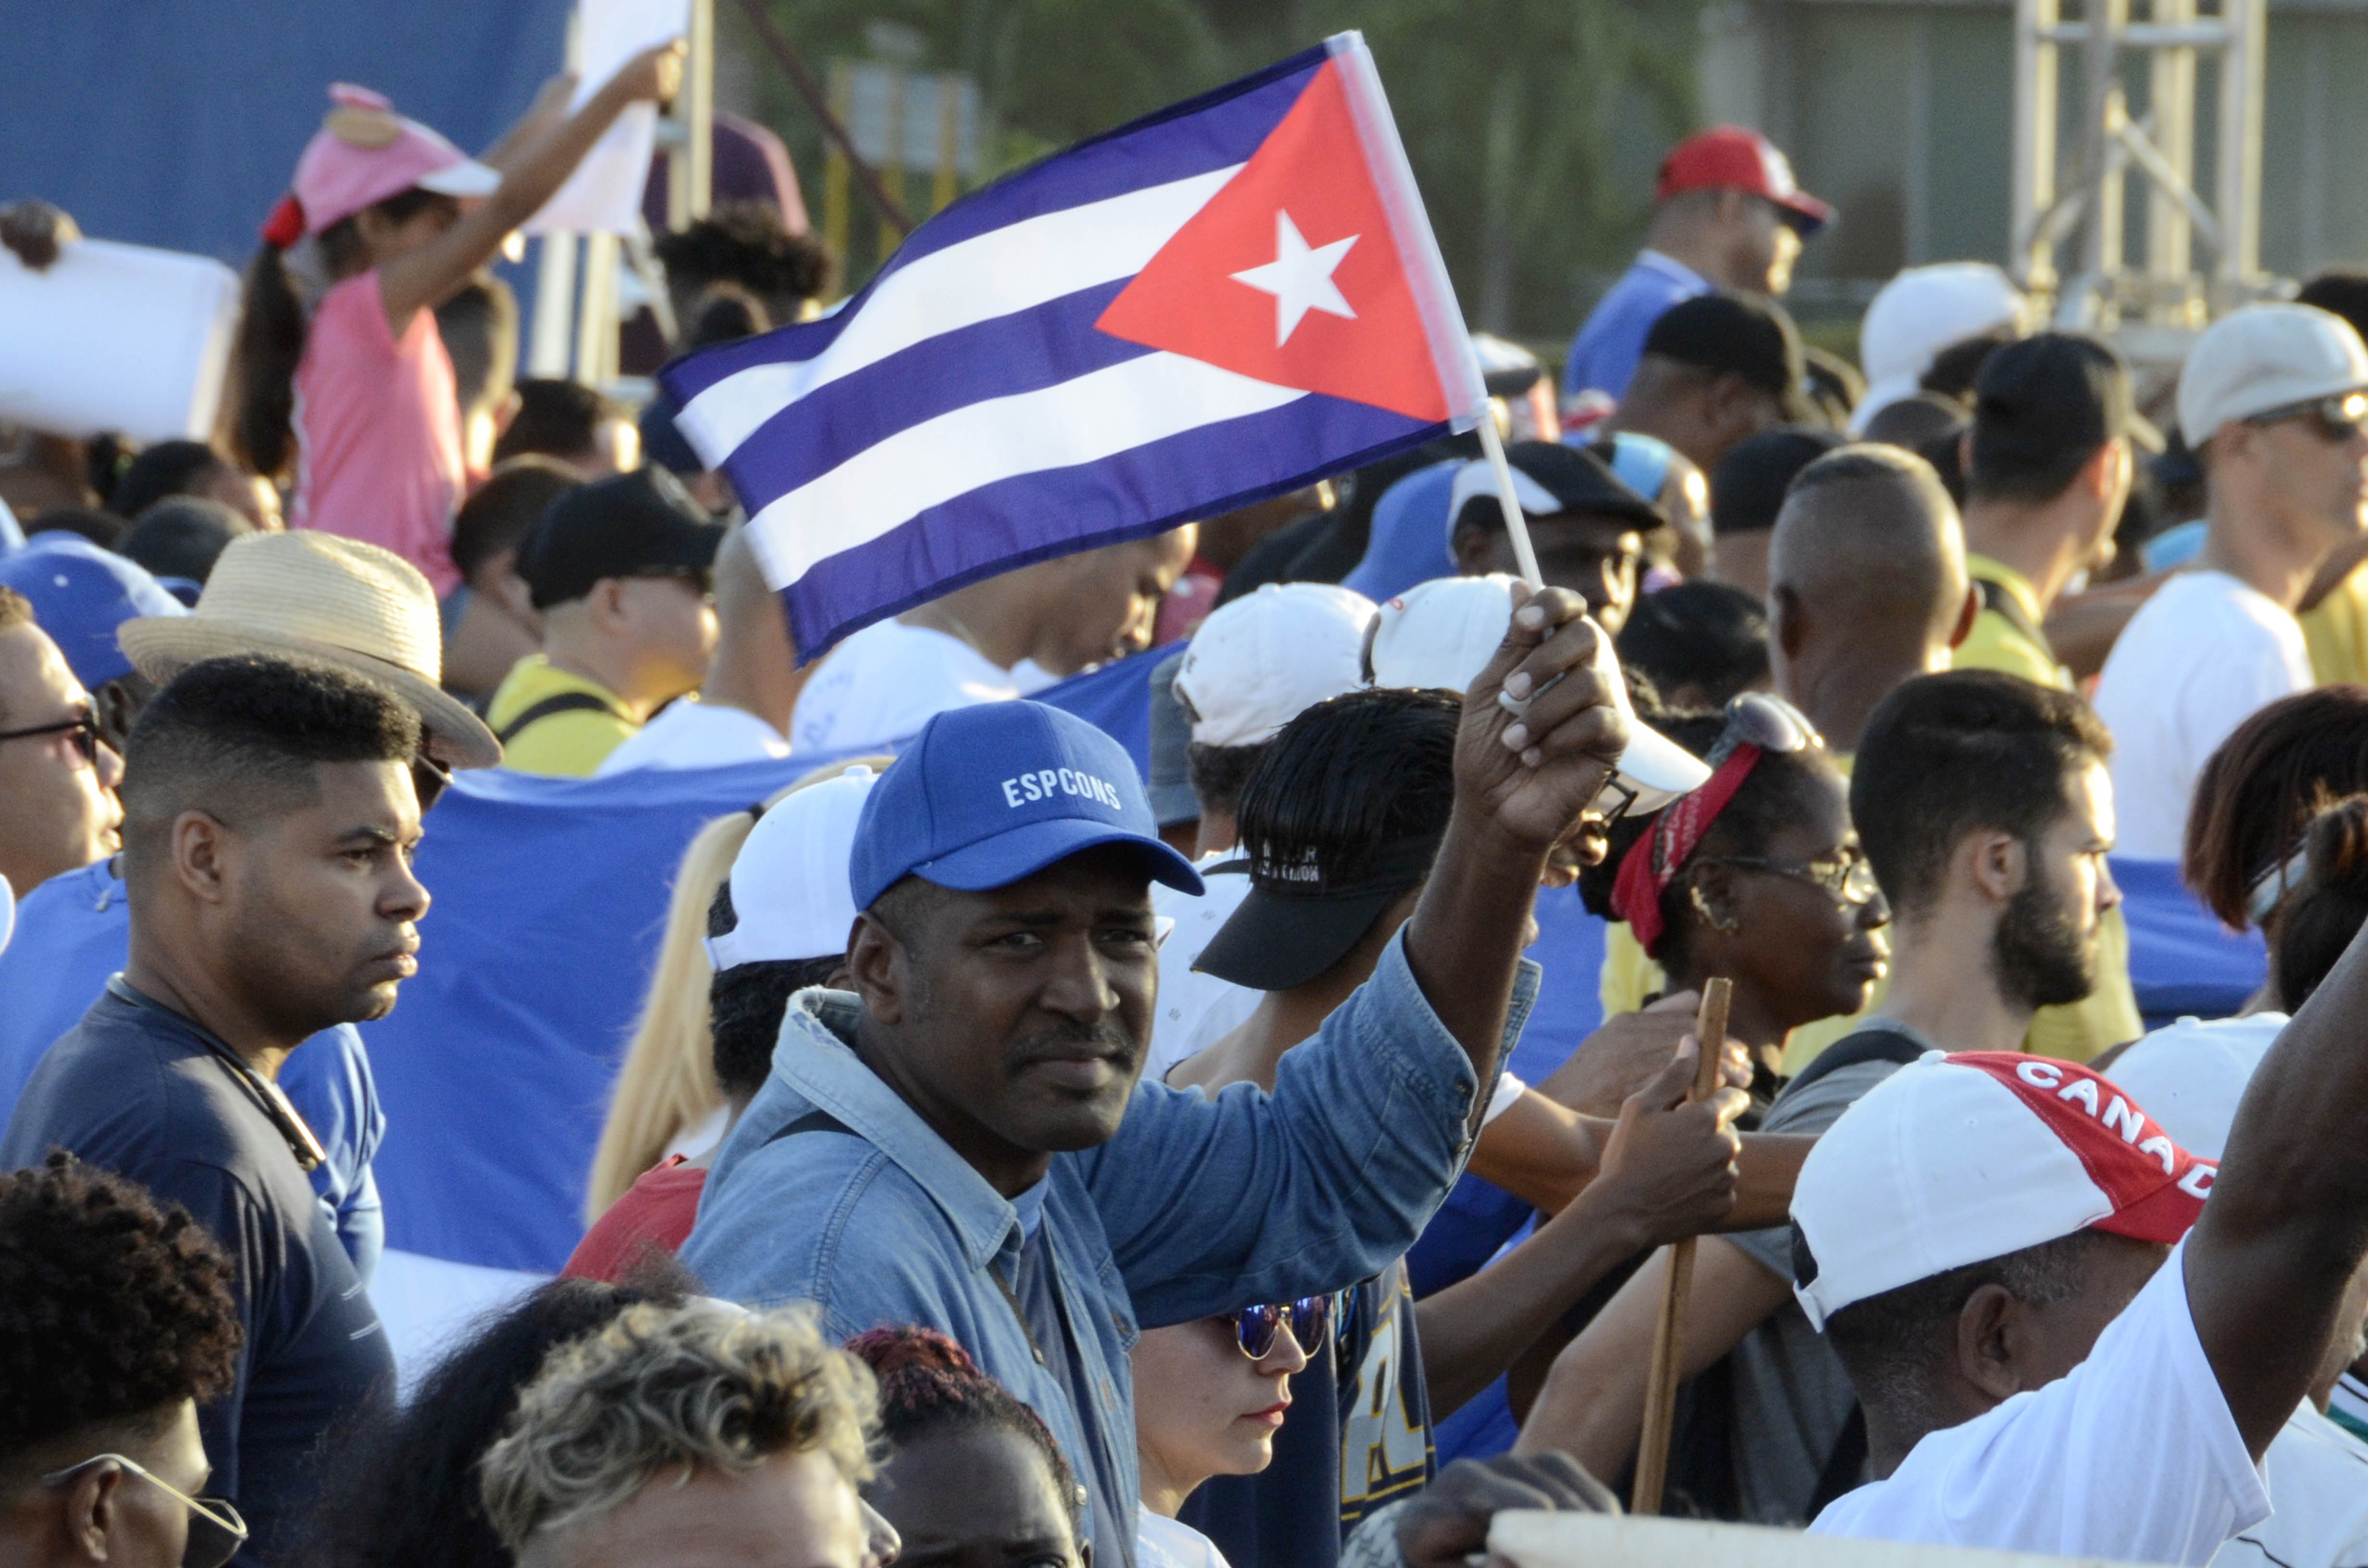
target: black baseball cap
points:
(1747, 485)
(1303, 915)
(2050, 395)
(643, 524)
(1727, 331)
(1549, 477)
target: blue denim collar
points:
(833, 1079)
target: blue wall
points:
(177, 122)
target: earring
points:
(1727, 925)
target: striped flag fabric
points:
(1220, 302)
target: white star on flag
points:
(1300, 277)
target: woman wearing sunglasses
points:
(1756, 877)
(1209, 1397)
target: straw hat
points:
(329, 598)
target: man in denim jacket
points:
(962, 1142)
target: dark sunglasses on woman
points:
(1310, 1318)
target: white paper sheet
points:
(605, 191)
(114, 337)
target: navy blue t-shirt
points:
(1358, 1435)
(134, 1089)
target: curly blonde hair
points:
(700, 1385)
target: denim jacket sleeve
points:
(1250, 1197)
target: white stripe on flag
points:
(1092, 417)
(1016, 267)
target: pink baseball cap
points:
(1959, 1159)
(1729, 157)
(363, 154)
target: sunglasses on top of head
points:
(1255, 1328)
(1756, 718)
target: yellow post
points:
(892, 173)
(837, 177)
(948, 184)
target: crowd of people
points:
(1061, 1130)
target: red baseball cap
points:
(1959, 1159)
(1727, 157)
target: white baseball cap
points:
(1959, 1159)
(790, 886)
(2258, 358)
(1260, 661)
(1443, 632)
(1922, 311)
(2192, 1073)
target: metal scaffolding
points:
(2083, 197)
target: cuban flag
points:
(1220, 302)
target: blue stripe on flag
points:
(1035, 517)
(1170, 145)
(1020, 352)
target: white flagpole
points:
(1516, 527)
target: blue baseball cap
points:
(80, 595)
(990, 794)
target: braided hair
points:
(113, 1307)
(928, 1384)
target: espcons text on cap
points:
(1044, 783)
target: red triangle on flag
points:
(1289, 275)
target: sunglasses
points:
(1756, 718)
(428, 780)
(1255, 1328)
(701, 578)
(2334, 419)
(1846, 876)
(216, 1532)
(82, 730)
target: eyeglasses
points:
(2334, 419)
(82, 729)
(1847, 876)
(216, 1532)
(1756, 718)
(1255, 1327)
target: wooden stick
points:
(1668, 1334)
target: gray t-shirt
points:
(1792, 1397)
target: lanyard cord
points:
(268, 1097)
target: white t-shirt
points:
(1196, 1011)
(2319, 1485)
(2132, 1456)
(1162, 1542)
(2197, 659)
(692, 733)
(882, 684)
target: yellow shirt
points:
(2108, 1017)
(2335, 629)
(569, 743)
(1995, 643)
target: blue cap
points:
(80, 595)
(990, 794)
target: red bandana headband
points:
(1654, 862)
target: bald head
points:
(1866, 583)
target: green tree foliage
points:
(1533, 126)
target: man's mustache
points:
(1071, 1041)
